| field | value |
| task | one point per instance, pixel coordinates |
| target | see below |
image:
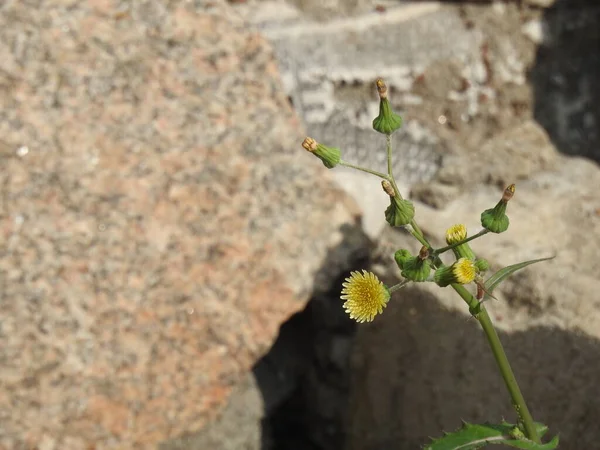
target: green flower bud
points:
(330, 156)
(417, 268)
(495, 219)
(456, 234)
(400, 212)
(401, 256)
(387, 121)
(482, 265)
(462, 271)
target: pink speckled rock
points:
(158, 219)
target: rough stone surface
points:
(158, 219)
(485, 105)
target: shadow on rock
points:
(565, 77)
(305, 378)
(417, 370)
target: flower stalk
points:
(365, 296)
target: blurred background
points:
(171, 258)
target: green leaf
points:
(502, 274)
(473, 436)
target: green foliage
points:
(502, 274)
(472, 437)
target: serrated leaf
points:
(475, 436)
(492, 282)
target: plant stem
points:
(398, 286)
(363, 169)
(470, 238)
(500, 356)
(388, 141)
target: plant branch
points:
(481, 314)
(439, 251)
(363, 169)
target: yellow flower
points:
(365, 296)
(464, 270)
(456, 233)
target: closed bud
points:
(482, 265)
(456, 234)
(330, 156)
(387, 121)
(401, 256)
(417, 268)
(495, 219)
(400, 212)
(462, 271)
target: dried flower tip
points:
(309, 144)
(423, 253)
(381, 88)
(508, 193)
(330, 156)
(387, 121)
(387, 187)
(365, 296)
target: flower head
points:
(465, 270)
(456, 233)
(462, 271)
(365, 296)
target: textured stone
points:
(156, 225)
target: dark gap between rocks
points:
(305, 378)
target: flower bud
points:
(329, 155)
(400, 212)
(401, 256)
(482, 265)
(387, 121)
(417, 268)
(495, 219)
(456, 234)
(462, 271)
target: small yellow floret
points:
(365, 296)
(464, 270)
(456, 233)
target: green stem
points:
(416, 231)
(518, 401)
(439, 251)
(363, 169)
(388, 140)
(398, 286)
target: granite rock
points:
(158, 218)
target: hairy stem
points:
(518, 401)
(364, 169)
